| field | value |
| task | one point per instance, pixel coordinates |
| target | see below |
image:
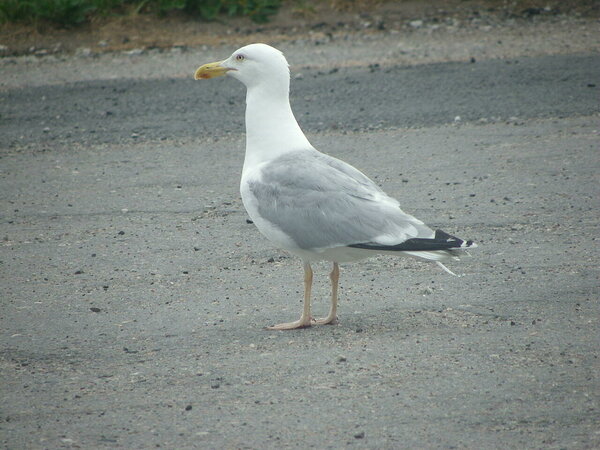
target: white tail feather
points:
(446, 269)
(434, 255)
(437, 256)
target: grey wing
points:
(322, 202)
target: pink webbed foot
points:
(301, 323)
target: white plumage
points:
(306, 202)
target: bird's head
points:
(253, 64)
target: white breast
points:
(268, 229)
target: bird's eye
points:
(239, 57)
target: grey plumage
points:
(303, 191)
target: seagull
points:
(308, 203)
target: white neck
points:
(271, 128)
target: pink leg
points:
(305, 319)
(334, 276)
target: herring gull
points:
(311, 204)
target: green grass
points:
(69, 13)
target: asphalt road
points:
(349, 98)
(134, 294)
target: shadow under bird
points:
(306, 202)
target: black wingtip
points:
(440, 241)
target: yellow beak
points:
(210, 70)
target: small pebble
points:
(83, 51)
(134, 52)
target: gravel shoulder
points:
(405, 45)
(134, 296)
